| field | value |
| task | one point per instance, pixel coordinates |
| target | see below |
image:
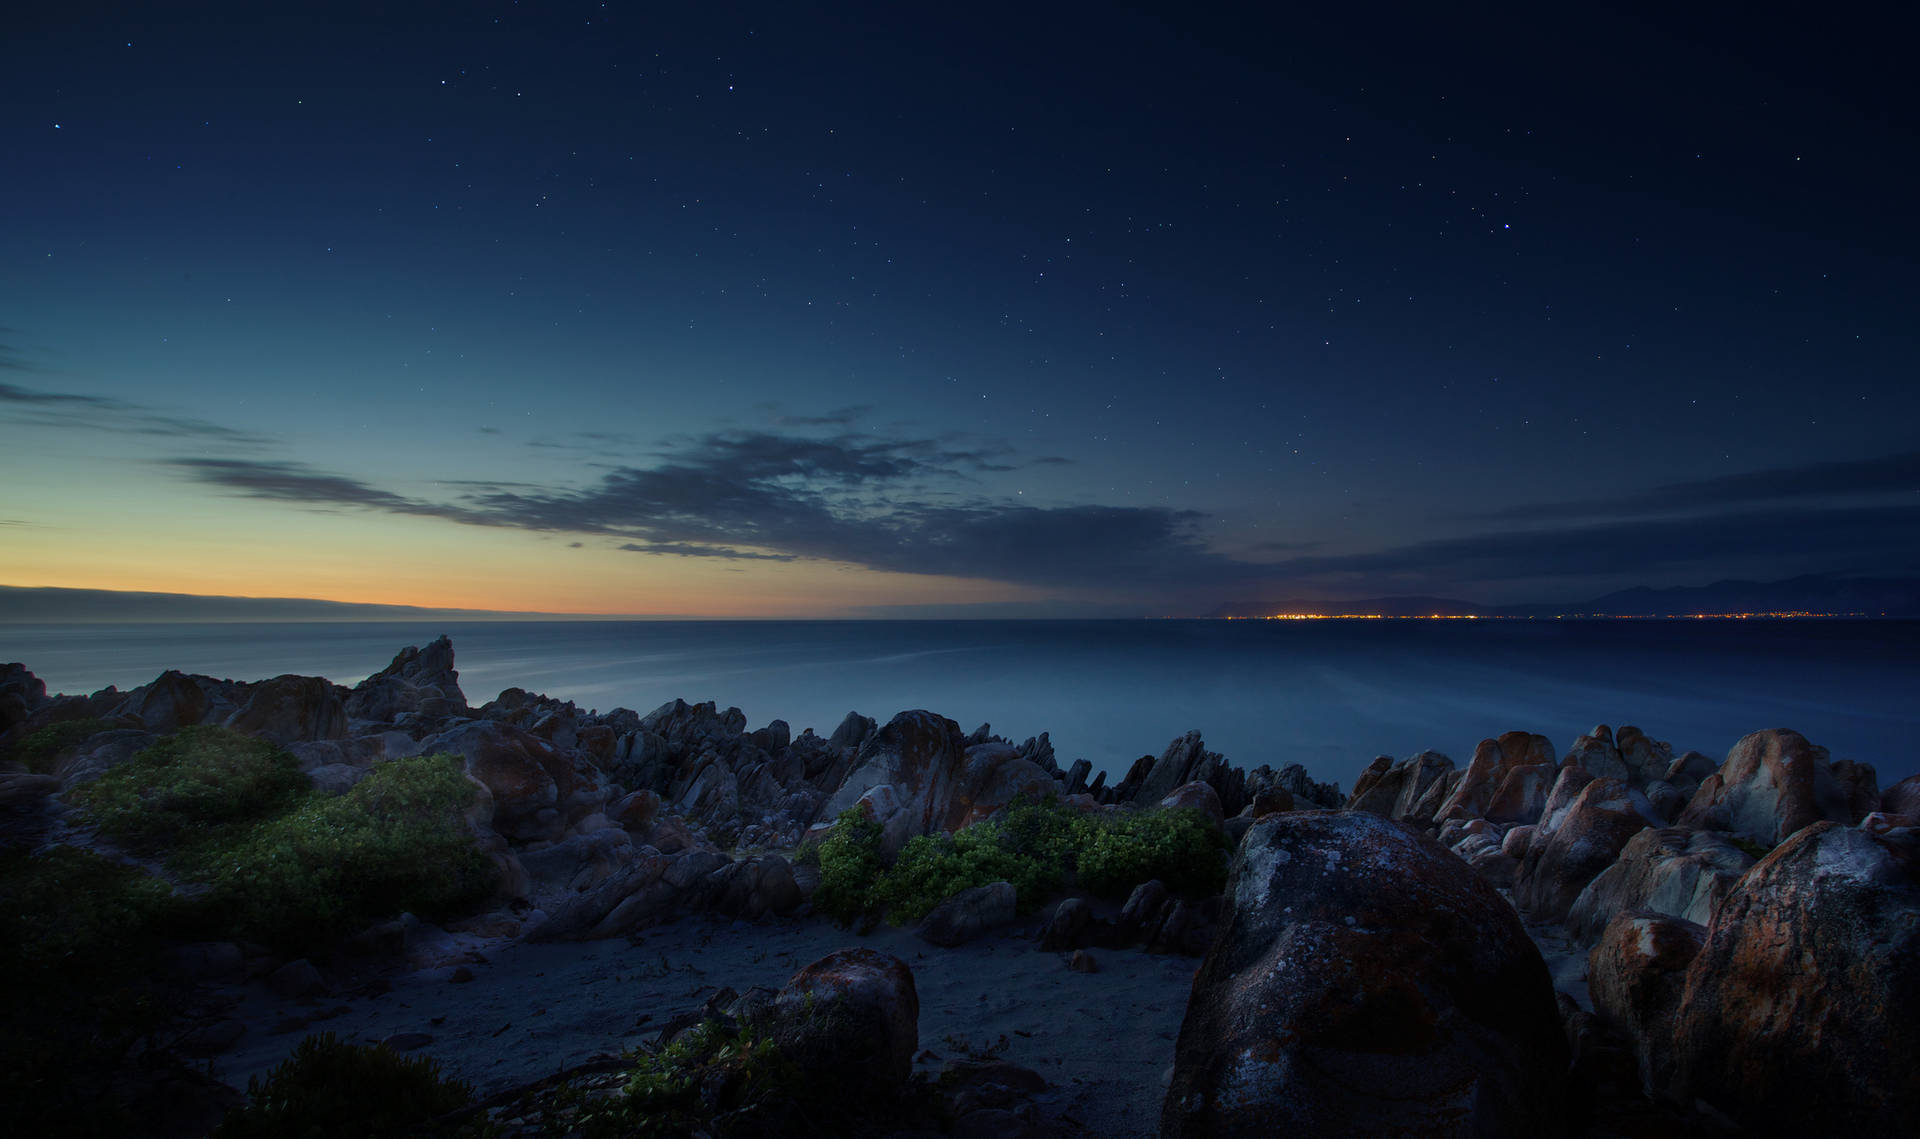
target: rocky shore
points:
(1732, 946)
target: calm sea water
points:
(1329, 694)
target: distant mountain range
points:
(1813, 594)
(27, 605)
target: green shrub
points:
(849, 866)
(191, 788)
(396, 841)
(39, 751)
(331, 1090)
(1039, 847)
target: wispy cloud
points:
(904, 505)
(1881, 475)
(79, 411)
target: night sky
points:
(919, 310)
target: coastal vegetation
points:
(329, 1089)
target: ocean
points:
(1327, 694)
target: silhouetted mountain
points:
(20, 605)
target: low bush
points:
(331, 1090)
(396, 841)
(192, 788)
(41, 750)
(1039, 847)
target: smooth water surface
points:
(1329, 694)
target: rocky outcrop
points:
(538, 791)
(1365, 983)
(420, 685)
(288, 709)
(1491, 763)
(1669, 870)
(1393, 789)
(1798, 1013)
(1635, 975)
(1561, 861)
(173, 701)
(1773, 783)
(968, 915)
(1903, 798)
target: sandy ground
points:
(1105, 1040)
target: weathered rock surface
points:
(851, 1019)
(537, 790)
(288, 709)
(1773, 783)
(420, 685)
(1393, 789)
(1560, 863)
(968, 914)
(1491, 763)
(1798, 1015)
(1669, 870)
(1635, 975)
(1365, 983)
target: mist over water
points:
(1328, 694)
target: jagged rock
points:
(103, 752)
(1683, 873)
(931, 782)
(1271, 801)
(1687, 772)
(579, 863)
(1486, 853)
(1606, 814)
(1773, 783)
(1861, 785)
(1142, 912)
(1371, 790)
(1798, 1015)
(287, 709)
(1294, 780)
(1636, 973)
(1598, 754)
(21, 695)
(173, 701)
(1903, 798)
(754, 888)
(20, 790)
(1515, 842)
(850, 1022)
(1646, 758)
(1076, 780)
(1491, 762)
(537, 791)
(1436, 796)
(1666, 799)
(1522, 795)
(420, 684)
(968, 914)
(1567, 786)
(1196, 796)
(1358, 957)
(1185, 761)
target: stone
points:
(1903, 798)
(1083, 962)
(1491, 762)
(1636, 973)
(1646, 758)
(288, 709)
(1773, 783)
(1196, 796)
(1598, 755)
(296, 979)
(173, 701)
(850, 1021)
(1861, 785)
(1682, 873)
(419, 683)
(1365, 982)
(1067, 926)
(537, 791)
(1798, 1015)
(968, 915)
(1605, 815)
(1522, 795)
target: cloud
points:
(100, 413)
(1873, 537)
(1886, 474)
(900, 505)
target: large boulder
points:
(537, 790)
(1773, 783)
(1669, 870)
(1559, 865)
(1365, 982)
(1636, 973)
(1598, 754)
(1799, 1014)
(1488, 769)
(288, 709)
(1903, 798)
(1646, 758)
(851, 1021)
(1392, 789)
(968, 914)
(173, 701)
(1522, 795)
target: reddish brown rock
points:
(1492, 760)
(1522, 795)
(1646, 758)
(537, 791)
(1395, 789)
(1368, 792)
(1598, 755)
(1799, 1013)
(1670, 870)
(1773, 783)
(173, 701)
(1636, 974)
(1365, 982)
(1196, 796)
(1605, 815)
(851, 1020)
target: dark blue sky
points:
(832, 310)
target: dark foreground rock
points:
(1801, 1014)
(1365, 982)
